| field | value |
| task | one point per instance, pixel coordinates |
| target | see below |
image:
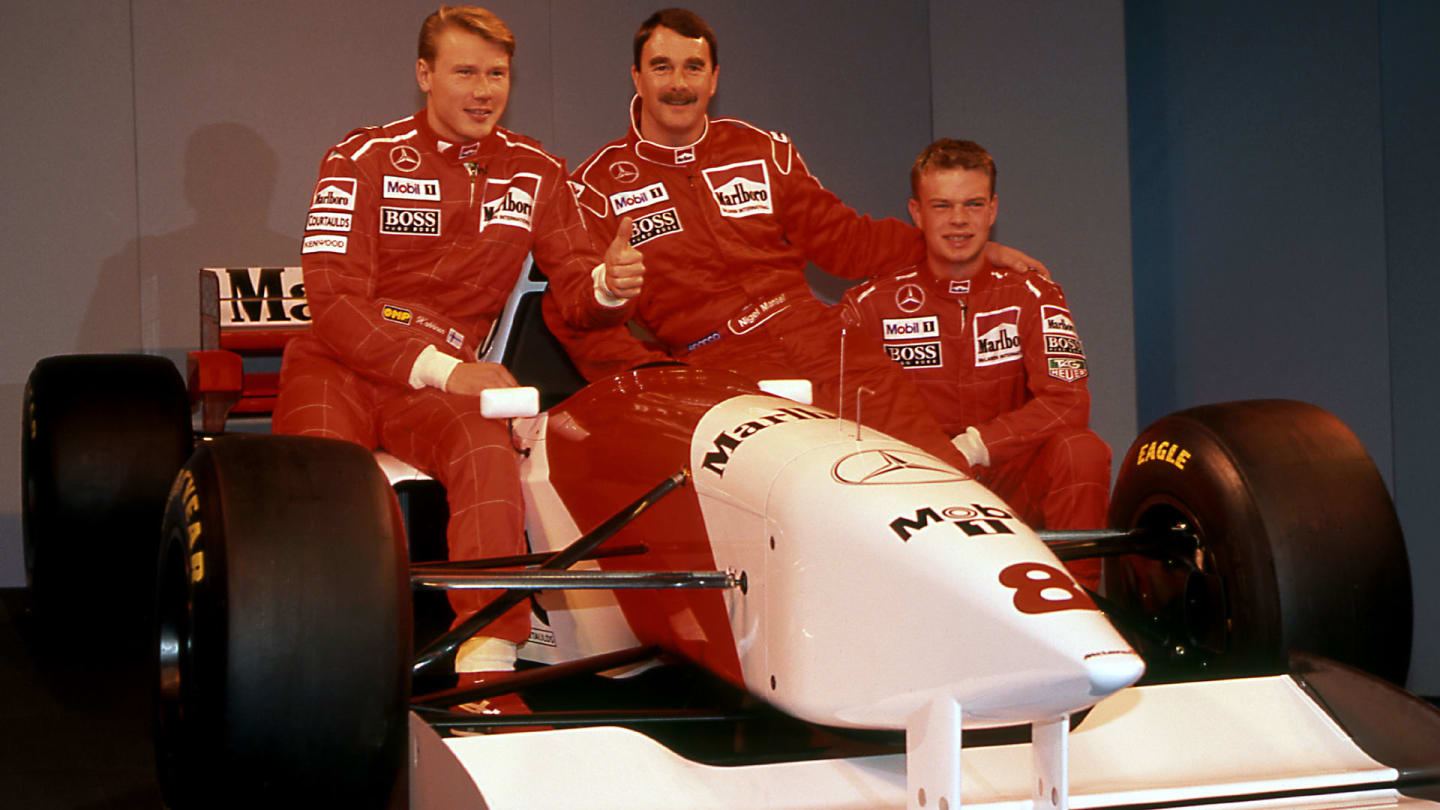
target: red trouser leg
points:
(805, 342)
(1062, 484)
(445, 435)
(320, 397)
(441, 434)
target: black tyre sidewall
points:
(102, 438)
(300, 646)
(1299, 526)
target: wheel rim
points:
(1171, 604)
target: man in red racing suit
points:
(994, 353)
(416, 234)
(726, 216)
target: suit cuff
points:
(432, 369)
(972, 447)
(602, 293)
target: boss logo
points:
(653, 226)
(410, 221)
(915, 355)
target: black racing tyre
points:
(283, 628)
(1292, 545)
(102, 438)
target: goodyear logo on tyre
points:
(396, 314)
(191, 499)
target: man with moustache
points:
(993, 352)
(725, 216)
(416, 234)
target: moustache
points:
(678, 97)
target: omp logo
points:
(916, 355)
(335, 192)
(261, 296)
(910, 327)
(652, 226)
(1068, 369)
(975, 520)
(396, 314)
(895, 466)
(740, 189)
(410, 221)
(325, 244)
(1056, 320)
(997, 336)
(510, 201)
(727, 441)
(409, 188)
(1168, 452)
(327, 222)
(638, 198)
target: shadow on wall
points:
(229, 187)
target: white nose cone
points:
(1112, 671)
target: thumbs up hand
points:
(624, 265)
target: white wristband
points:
(602, 292)
(432, 368)
(972, 447)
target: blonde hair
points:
(948, 153)
(474, 19)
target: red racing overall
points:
(999, 352)
(410, 243)
(726, 225)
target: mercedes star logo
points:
(405, 158)
(624, 171)
(910, 298)
(893, 466)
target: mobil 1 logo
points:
(975, 520)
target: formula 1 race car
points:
(744, 601)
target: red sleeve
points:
(566, 253)
(597, 352)
(340, 276)
(1055, 374)
(831, 233)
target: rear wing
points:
(249, 314)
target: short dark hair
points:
(948, 153)
(474, 19)
(684, 22)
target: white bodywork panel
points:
(876, 579)
(1169, 743)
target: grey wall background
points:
(1283, 166)
(1275, 161)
